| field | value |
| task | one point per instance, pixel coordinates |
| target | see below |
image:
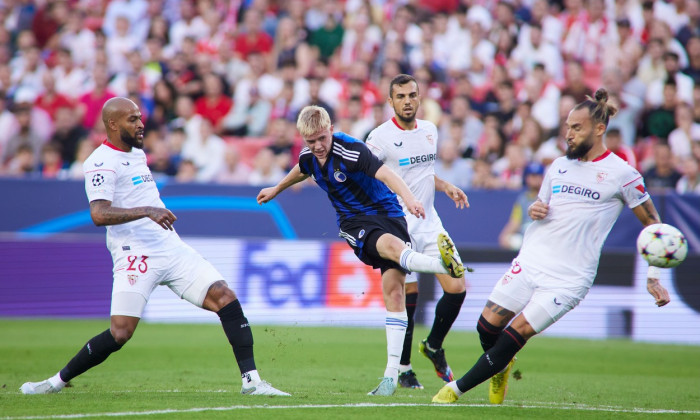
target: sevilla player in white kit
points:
(581, 197)
(146, 252)
(409, 147)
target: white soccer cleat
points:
(43, 387)
(262, 388)
(385, 388)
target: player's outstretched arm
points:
(455, 193)
(398, 185)
(294, 176)
(104, 214)
(647, 214)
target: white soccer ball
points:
(662, 245)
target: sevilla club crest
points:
(600, 177)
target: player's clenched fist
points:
(538, 210)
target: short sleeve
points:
(366, 162)
(374, 146)
(633, 190)
(305, 161)
(546, 189)
(100, 184)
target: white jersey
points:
(585, 199)
(411, 154)
(124, 179)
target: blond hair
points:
(312, 119)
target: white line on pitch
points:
(546, 406)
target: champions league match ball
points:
(662, 245)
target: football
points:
(662, 245)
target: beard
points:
(130, 140)
(577, 152)
(407, 119)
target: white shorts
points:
(183, 270)
(541, 298)
(425, 243)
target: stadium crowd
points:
(220, 82)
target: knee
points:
(218, 296)
(122, 334)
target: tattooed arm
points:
(103, 214)
(647, 214)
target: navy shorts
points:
(362, 233)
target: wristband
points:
(653, 272)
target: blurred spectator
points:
(684, 84)
(265, 170)
(85, 148)
(23, 163)
(163, 102)
(186, 171)
(660, 121)
(68, 132)
(119, 45)
(586, 37)
(51, 166)
(160, 160)
(90, 104)
(78, 41)
(693, 69)
(187, 119)
(575, 83)
(133, 11)
(290, 46)
(50, 100)
(662, 174)
(614, 143)
(69, 79)
(544, 96)
(252, 38)
(483, 177)
(206, 151)
(509, 169)
(690, 181)
(651, 66)
(190, 24)
(215, 104)
(29, 72)
(32, 127)
(249, 118)
(315, 98)
(451, 167)
(692, 27)
(234, 170)
(536, 51)
(282, 133)
(511, 236)
(472, 126)
(687, 131)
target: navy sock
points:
(493, 360)
(488, 333)
(446, 312)
(94, 352)
(411, 300)
(239, 334)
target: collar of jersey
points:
(111, 146)
(396, 123)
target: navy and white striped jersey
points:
(348, 179)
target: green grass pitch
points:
(188, 371)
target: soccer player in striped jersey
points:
(370, 219)
(580, 199)
(409, 147)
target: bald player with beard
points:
(146, 252)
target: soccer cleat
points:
(446, 395)
(499, 384)
(43, 387)
(408, 380)
(448, 253)
(386, 387)
(442, 369)
(262, 388)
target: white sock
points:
(454, 387)
(250, 377)
(396, 323)
(405, 368)
(421, 263)
(56, 381)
